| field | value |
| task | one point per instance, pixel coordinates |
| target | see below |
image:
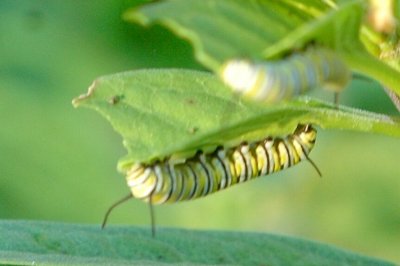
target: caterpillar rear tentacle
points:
(206, 173)
(274, 81)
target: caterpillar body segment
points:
(203, 174)
(274, 81)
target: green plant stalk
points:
(367, 64)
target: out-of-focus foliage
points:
(222, 29)
(50, 51)
(59, 164)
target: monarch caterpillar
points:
(203, 174)
(273, 81)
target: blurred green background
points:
(59, 163)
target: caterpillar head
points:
(239, 74)
(306, 133)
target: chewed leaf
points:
(171, 111)
(157, 111)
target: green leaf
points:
(46, 243)
(336, 28)
(171, 111)
(223, 29)
(160, 110)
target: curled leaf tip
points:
(77, 101)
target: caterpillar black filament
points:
(203, 174)
(273, 81)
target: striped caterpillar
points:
(203, 174)
(274, 81)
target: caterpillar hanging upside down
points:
(274, 81)
(203, 174)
